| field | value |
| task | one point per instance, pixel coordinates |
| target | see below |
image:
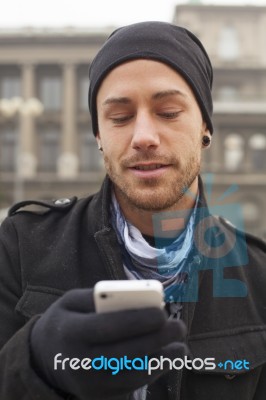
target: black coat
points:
(65, 246)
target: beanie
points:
(175, 46)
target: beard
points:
(155, 194)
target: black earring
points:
(206, 140)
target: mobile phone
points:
(128, 294)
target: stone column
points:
(68, 160)
(26, 141)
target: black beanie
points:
(170, 44)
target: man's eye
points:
(121, 120)
(169, 115)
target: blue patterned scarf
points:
(142, 261)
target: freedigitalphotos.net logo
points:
(214, 247)
(117, 365)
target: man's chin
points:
(151, 199)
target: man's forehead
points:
(159, 80)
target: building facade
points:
(235, 38)
(55, 154)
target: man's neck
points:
(143, 219)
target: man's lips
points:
(149, 170)
(148, 165)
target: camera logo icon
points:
(206, 240)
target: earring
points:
(100, 148)
(206, 140)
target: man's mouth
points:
(148, 167)
(149, 170)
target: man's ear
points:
(205, 129)
(205, 136)
(98, 139)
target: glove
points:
(70, 326)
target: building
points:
(55, 154)
(235, 38)
(58, 153)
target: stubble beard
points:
(155, 195)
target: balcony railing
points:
(240, 107)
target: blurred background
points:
(47, 149)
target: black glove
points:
(70, 326)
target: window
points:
(251, 213)
(8, 149)
(227, 93)
(83, 92)
(90, 159)
(228, 44)
(48, 149)
(257, 146)
(10, 87)
(51, 92)
(234, 152)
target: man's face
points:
(150, 129)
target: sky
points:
(92, 13)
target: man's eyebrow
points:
(116, 100)
(157, 96)
(169, 93)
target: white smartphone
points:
(128, 294)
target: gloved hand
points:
(70, 326)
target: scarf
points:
(142, 261)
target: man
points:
(151, 107)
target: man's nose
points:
(145, 132)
